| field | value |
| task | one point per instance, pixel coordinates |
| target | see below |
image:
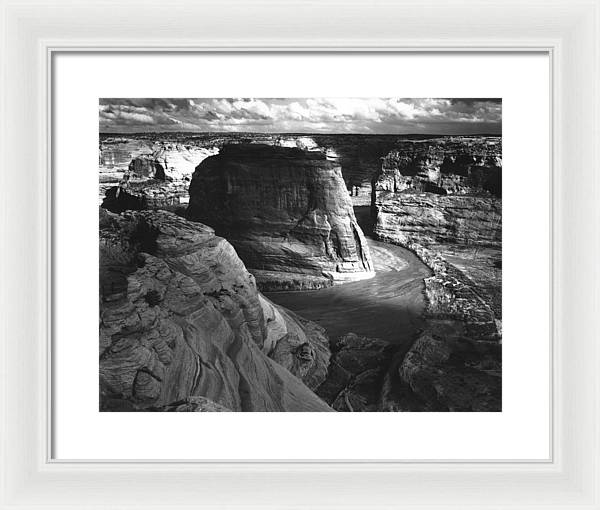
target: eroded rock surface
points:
(454, 373)
(445, 206)
(447, 209)
(149, 174)
(356, 373)
(455, 165)
(180, 317)
(151, 194)
(287, 213)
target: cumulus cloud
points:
(308, 115)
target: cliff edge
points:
(180, 317)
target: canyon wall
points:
(178, 153)
(287, 213)
(443, 202)
(453, 165)
(359, 157)
(181, 318)
(146, 173)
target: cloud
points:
(329, 115)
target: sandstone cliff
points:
(151, 194)
(147, 174)
(287, 213)
(430, 218)
(180, 317)
(445, 205)
(462, 165)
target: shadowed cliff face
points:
(463, 166)
(444, 203)
(287, 213)
(180, 317)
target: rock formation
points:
(287, 213)
(463, 166)
(453, 222)
(192, 405)
(356, 373)
(183, 327)
(448, 372)
(359, 157)
(147, 167)
(431, 219)
(154, 174)
(180, 317)
(151, 194)
(443, 203)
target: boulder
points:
(147, 167)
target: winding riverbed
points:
(388, 306)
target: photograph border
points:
(568, 31)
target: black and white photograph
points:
(300, 254)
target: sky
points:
(457, 116)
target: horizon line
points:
(291, 133)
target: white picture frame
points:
(569, 31)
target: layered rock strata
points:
(144, 155)
(448, 210)
(180, 317)
(359, 155)
(461, 166)
(287, 213)
(151, 194)
(156, 174)
(453, 223)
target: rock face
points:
(360, 158)
(452, 373)
(180, 317)
(440, 194)
(359, 155)
(151, 194)
(437, 219)
(443, 202)
(356, 373)
(461, 166)
(287, 213)
(445, 206)
(155, 173)
(146, 154)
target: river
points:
(388, 306)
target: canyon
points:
(443, 202)
(282, 272)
